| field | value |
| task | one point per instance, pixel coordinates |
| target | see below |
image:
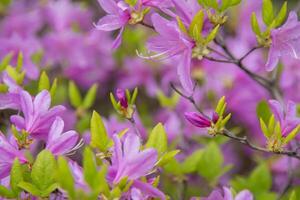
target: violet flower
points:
(60, 143)
(37, 114)
(8, 152)
(142, 191)
(285, 41)
(122, 98)
(227, 195)
(200, 120)
(286, 116)
(172, 42)
(118, 15)
(128, 161)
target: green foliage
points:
(259, 182)
(267, 12)
(42, 176)
(223, 119)
(90, 97)
(65, 178)
(99, 137)
(131, 2)
(222, 7)
(211, 161)
(263, 110)
(74, 95)
(44, 82)
(167, 102)
(158, 139)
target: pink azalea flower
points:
(37, 114)
(8, 152)
(128, 161)
(227, 195)
(286, 116)
(60, 143)
(172, 42)
(201, 121)
(285, 41)
(118, 15)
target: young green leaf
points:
(167, 157)
(158, 139)
(197, 24)
(255, 25)
(191, 162)
(99, 137)
(264, 128)
(43, 170)
(74, 95)
(211, 36)
(44, 83)
(90, 97)
(281, 15)
(292, 134)
(28, 187)
(267, 12)
(89, 168)
(16, 176)
(211, 162)
(65, 177)
(4, 192)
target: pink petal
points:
(184, 72)
(131, 145)
(64, 143)
(109, 6)
(42, 102)
(118, 40)
(56, 129)
(109, 23)
(149, 190)
(244, 195)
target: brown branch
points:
(242, 140)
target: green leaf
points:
(181, 25)
(19, 62)
(293, 196)
(99, 137)
(134, 96)
(104, 187)
(49, 190)
(191, 162)
(220, 105)
(115, 104)
(262, 174)
(5, 61)
(32, 189)
(168, 102)
(65, 177)
(267, 12)
(158, 139)
(53, 88)
(281, 15)
(89, 168)
(4, 192)
(211, 162)
(211, 36)
(292, 134)
(74, 95)
(197, 24)
(131, 2)
(229, 3)
(263, 111)
(43, 170)
(264, 128)
(16, 176)
(90, 97)
(44, 83)
(167, 157)
(255, 25)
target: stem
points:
(243, 140)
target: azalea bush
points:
(149, 99)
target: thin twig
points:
(243, 140)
